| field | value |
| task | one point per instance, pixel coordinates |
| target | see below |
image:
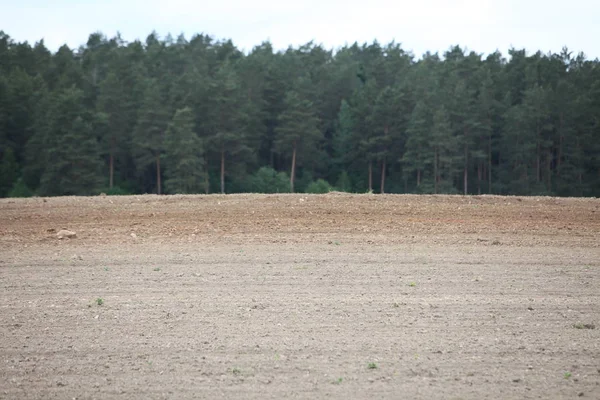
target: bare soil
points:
(300, 296)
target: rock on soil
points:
(62, 234)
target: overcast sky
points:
(420, 25)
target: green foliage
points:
(149, 133)
(417, 157)
(580, 325)
(71, 151)
(229, 138)
(9, 171)
(319, 186)
(368, 117)
(20, 189)
(343, 183)
(185, 164)
(304, 179)
(267, 180)
(298, 132)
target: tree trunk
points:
(479, 179)
(549, 169)
(370, 176)
(560, 145)
(466, 170)
(435, 171)
(158, 184)
(222, 171)
(111, 170)
(560, 154)
(383, 176)
(206, 181)
(538, 172)
(490, 164)
(293, 173)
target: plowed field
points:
(300, 296)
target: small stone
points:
(133, 235)
(63, 233)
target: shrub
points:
(267, 180)
(20, 189)
(319, 186)
(344, 184)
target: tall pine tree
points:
(297, 131)
(184, 155)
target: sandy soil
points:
(294, 296)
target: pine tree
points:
(297, 131)
(111, 102)
(148, 136)
(417, 157)
(387, 122)
(363, 132)
(465, 124)
(342, 139)
(71, 149)
(184, 155)
(487, 113)
(444, 150)
(230, 137)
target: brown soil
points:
(293, 296)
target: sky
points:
(483, 26)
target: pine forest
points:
(198, 115)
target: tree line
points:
(199, 116)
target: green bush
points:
(344, 184)
(319, 186)
(20, 189)
(267, 180)
(303, 180)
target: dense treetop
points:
(198, 116)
